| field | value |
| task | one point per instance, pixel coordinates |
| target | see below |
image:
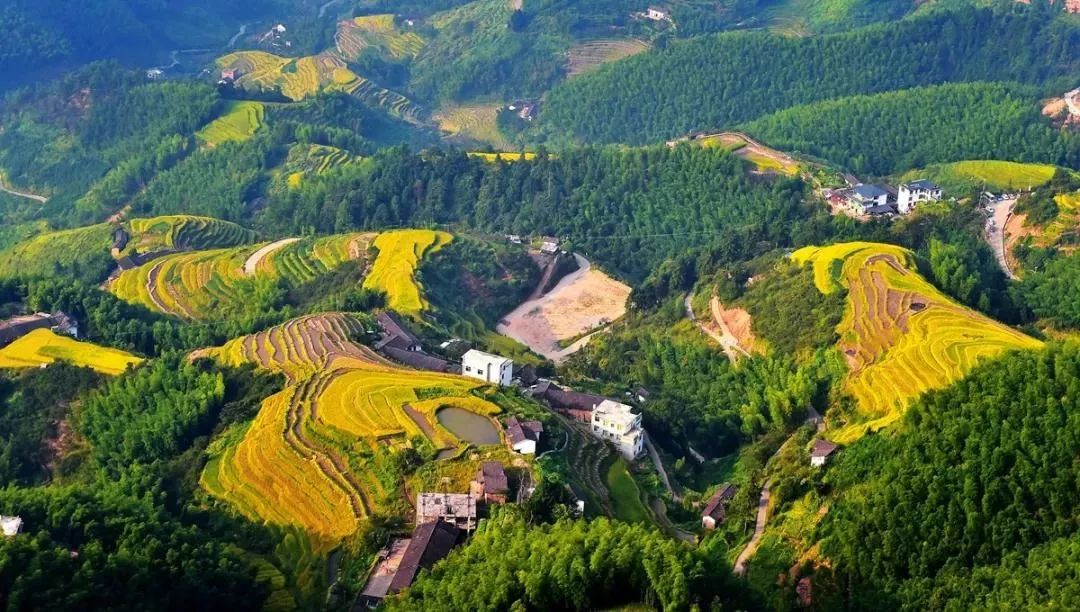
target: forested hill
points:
(720, 81)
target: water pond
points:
(468, 426)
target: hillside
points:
(41, 347)
(394, 269)
(993, 175)
(900, 335)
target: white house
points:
(820, 452)
(10, 525)
(618, 423)
(867, 199)
(487, 367)
(523, 435)
(912, 193)
(657, 13)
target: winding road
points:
(22, 194)
(725, 339)
(995, 233)
(759, 529)
(252, 263)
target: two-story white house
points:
(868, 199)
(910, 194)
(619, 424)
(487, 367)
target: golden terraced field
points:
(42, 346)
(394, 270)
(900, 335)
(378, 32)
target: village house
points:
(230, 75)
(10, 525)
(911, 194)
(403, 559)
(715, 511)
(574, 404)
(522, 436)
(868, 200)
(395, 334)
(820, 452)
(487, 367)
(490, 484)
(619, 424)
(549, 245)
(418, 360)
(657, 13)
(458, 509)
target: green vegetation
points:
(963, 177)
(625, 495)
(238, 121)
(790, 313)
(720, 81)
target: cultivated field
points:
(184, 232)
(1067, 222)
(993, 175)
(764, 159)
(42, 346)
(307, 459)
(41, 255)
(582, 301)
(238, 122)
(593, 54)
(475, 122)
(900, 336)
(312, 159)
(198, 284)
(394, 270)
(378, 32)
(506, 157)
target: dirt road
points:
(22, 194)
(655, 456)
(728, 343)
(252, 263)
(995, 233)
(759, 529)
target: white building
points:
(487, 367)
(618, 423)
(820, 452)
(657, 13)
(912, 193)
(868, 199)
(10, 525)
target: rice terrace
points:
(42, 346)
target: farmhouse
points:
(403, 559)
(487, 367)
(715, 511)
(618, 423)
(17, 327)
(395, 334)
(522, 436)
(490, 484)
(458, 509)
(657, 13)
(574, 404)
(868, 200)
(820, 452)
(910, 194)
(230, 75)
(418, 360)
(10, 525)
(549, 245)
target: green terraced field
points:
(185, 232)
(900, 335)
(237, 122)
(378, 32)
(42, 254)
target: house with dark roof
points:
(395, 334)
(456, 508)
(16, 327)
(862, 199)
(912, 193)
(522, 436)
(490, 483)
(821, 451)
(417, 360)
(715, 511)
(574, 404)
(430, 543)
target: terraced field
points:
(1067, 222)
(394, 270)
(994, 175)
(195, 285)
(42, 346)
(900, 335)
(237, 122)
(304, 461)
(184, 232)
(42, 254)
(475, 122)
(378, 32)
(591, 55)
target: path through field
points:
(728, 343)
(22, 194)
(239, 33)
(583, 300)
(655, 456)
(759, 529)
(252, 262)
(996, 235)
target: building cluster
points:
(16, 327)
(608, 419)
(866, 200)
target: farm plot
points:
(199, 284)
(394, 270)
(184, 232)
(377, 32)
(312, 159)
(764, 159)
(304, 460)
(42, 254)
(900, 335)
(238, 122)
(42, 346)
(960, 177)
(591, 55)
(476, 122)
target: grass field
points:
(625, 495)
(591, 55)
(237, 122)
(42, 346)
(958, 178)
(307, 460)
(394, 270)
(378, 32)
(43, 254)
(475, 122)
(200, 284)
(900, 335)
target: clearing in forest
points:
(238, 122)
(764, 159)
(592, 54)
(312, 458)
(43, 346)
(394, 270)
(900, 335)
(583, 301)
(993, 175)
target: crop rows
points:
(185, 232)
(41, 254)
(900, 335)
(394, 270)
(238, 123)
(476, 122)
(591, 55)
(42, 346)
(293, 465)
(378, 31)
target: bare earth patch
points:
(583, 301)
(739, 325)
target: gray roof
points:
(822, 448)
(869, 191)
(921, 185)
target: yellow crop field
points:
(238, 122)
(900, 335)
(475, 122)
(1067, 221)
(507, 157)
(378, 32)
(42, 346)
(302, 462)
(995, 175)
(199, 284)
(394, 270)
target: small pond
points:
(468, 426)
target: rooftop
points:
(433, 505)
(414, 359)
(10, 525)
(430, 542)
(920, 185)
(392, 326)
(493, 477)
(868, 191)
(822, 448)
(519, 431)
(473, 354)
(611, 410)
